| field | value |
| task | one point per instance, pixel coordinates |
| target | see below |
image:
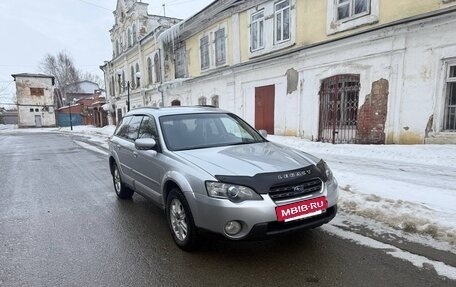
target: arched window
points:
(123, 80)
(202, 101)
(134, 34)
(149, 71)
(138, 80)
(132, 78)
(157, 68)
(129, 37)
(112, 86)
(175, 103)
(339, 97)
(215, 101)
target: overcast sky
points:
(29, 29)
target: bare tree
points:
(62, 68)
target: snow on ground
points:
(408, 189)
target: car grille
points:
(284, 192)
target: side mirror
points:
(145, 144)
(263, 133)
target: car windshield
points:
(199, 130)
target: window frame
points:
(335, 25)
(352, 15)
(281, 12)
(222, 48)
(150, 77)
(157, 68)
(446, 106)
(202, 101)
(206, 48)
(260, 36)
(137, 80)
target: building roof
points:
(29, 75)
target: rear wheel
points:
(121, 190)
(180, 221)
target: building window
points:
(157, 68)
(117, 48)
(343, 15)
(31, 110)
(149, 71)
(112, 86)
(180, 63)
(122, 88)
(129, 37)
(215, 101)
(37, 110)
(204, 51)
(339, 97)
(132, 78)
(202, 101)
(220, 51)
(449, 123)
(257, 31)
(134, 34)
(175, 103)
(282, 21)
(347, 9)
(36, 91)
(138, 80)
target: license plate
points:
(302, 209)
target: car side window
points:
(133, 128)
(123, 127)
(148, 129)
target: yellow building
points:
(342, 71)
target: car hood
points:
(247, 159)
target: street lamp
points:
(127, 84)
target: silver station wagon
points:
(211, 171)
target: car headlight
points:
(235, 193)
(325, 170)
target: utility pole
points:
(164, 11)
(71, 121)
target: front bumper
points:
(268, 229)
(258, 218)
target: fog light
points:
(233, 227)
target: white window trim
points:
(269, 25)
(334, 26)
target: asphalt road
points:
(62, 225)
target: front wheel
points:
(180, 221)
(121, 190)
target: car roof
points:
(174, 110)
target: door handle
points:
(135, 154)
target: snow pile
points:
(411, 188)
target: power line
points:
(95, 5)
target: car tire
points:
(121, 190)
(180, 221)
